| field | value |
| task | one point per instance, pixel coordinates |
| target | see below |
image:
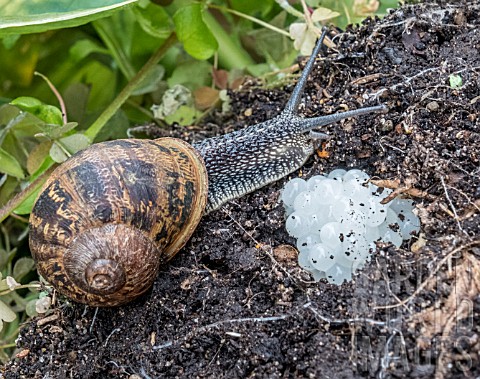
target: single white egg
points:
(337, 174)
(321, 257)
(399, 204)
(314, 223)
(338, 274)
(376, 212)
(295, 225)
(307, 241)
(314, 181)
(292, 189)
(332, 234)
(327, 190)
(305, 202)
(358, 175)
(304, 260)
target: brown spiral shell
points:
(110, 215)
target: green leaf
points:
(153, 19)
(455, 81)
(83, 48)
(45, 112)
(55, 131)
(75, 142)
(31, 308)
(3, 285)
(30, 16)
(151, 82)
(192, 75)
(27, 205)
(57, 153)
(6, 314)
(253, 7)
(66, 146)
(22, 267)
(192, 31)
(37, 156)
(9, 165)
(184, 116)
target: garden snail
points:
(110, 215)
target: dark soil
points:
(234, 304)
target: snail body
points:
(109, 216)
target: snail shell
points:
(108, 217)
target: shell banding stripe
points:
(114, 189)
(115, 185)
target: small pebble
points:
(433, 106)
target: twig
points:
(94, 319)
(358, 320)
(406, 81)
(388, 357)
(390, 146)
(434, 272)
(245, 319)
(110, 336)
(31, 286)
(218, 323)
(452, 206)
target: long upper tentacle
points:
(294, 101)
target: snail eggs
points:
(337, 219)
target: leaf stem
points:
(100, 122)
(289, 9)
(230, 52)
(6, 292)
(8, 345)
(115, 49)
(57, 95)
(308, 19)
(20, 197)
(250, 18)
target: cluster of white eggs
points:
(337, 219)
